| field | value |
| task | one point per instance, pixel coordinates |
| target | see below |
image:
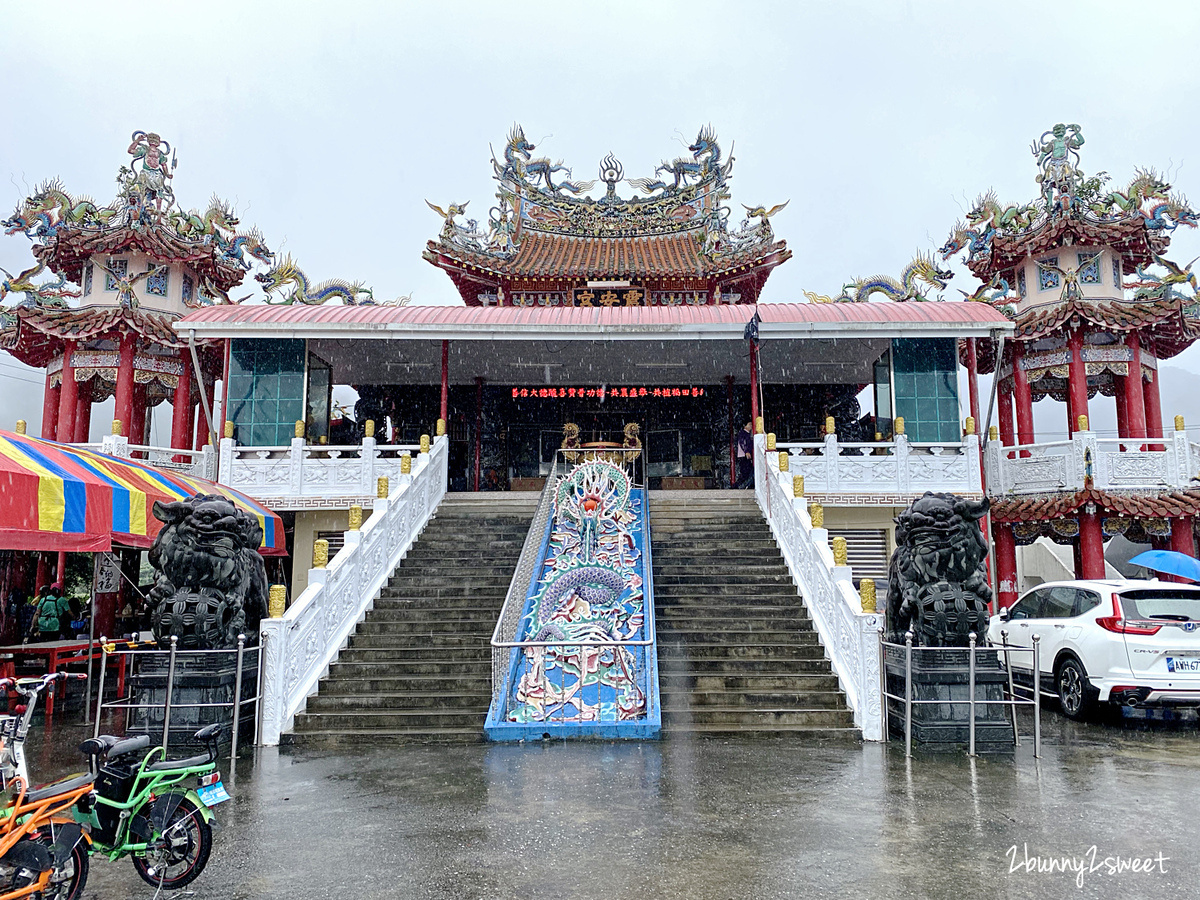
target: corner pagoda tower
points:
(134, 267)
(1082, 273)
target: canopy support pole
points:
(200, 381)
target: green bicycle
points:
(145, 807)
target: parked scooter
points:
(147, 808)
(43, 850)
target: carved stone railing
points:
(308, 476)
(891, 471)
(850, 636)
(198, 463)
(299, 647)
(1121, 464)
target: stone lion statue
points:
(937, 580)
(211, 582)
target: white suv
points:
(1130, 642)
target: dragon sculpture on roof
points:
(287, 272)
(47, 294)
(921, 269)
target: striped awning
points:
(63, 497)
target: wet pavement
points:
(701, 818)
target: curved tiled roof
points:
(1169, 504)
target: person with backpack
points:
(54, 614)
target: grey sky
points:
(330, 123)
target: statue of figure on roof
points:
(1056, 152)
(153, 176)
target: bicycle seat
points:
(208, 732)
(66, 786)
(202, 759)
(111, 746)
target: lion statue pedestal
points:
(938, 591)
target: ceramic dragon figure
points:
(1146, 185)
(286, 272)
(704, 162)
(989, 214)
(921, 269)
(975, 240)
(218, 219)
(47, 294)
(250, 244)
(1169, 214)
(520, 165)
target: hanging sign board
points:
(107, 573)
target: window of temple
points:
(88, 275)
(926, 378)
(120, 267)
(1021, 289)
(266, 390)
(1048, 278)
(157, 283)
(1089, 268)
(189, 288)
(1117, 270)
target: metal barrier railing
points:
(136, 654)
(973, 649)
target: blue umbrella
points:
(1170, 561)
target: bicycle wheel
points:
(67, 881)
(180, 854)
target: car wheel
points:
(1076, 696)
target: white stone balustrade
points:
(850, 636)
(198, 463)
(892, 471)
(299, 647)
(1121, 464)
(312, 476)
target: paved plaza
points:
(701, 819)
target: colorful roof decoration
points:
(545, 239)
(1168, 504)
(1076, 212)
(66, 497)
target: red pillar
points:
(1135, 399)
(444, 414)
(137, 424)
(68, 396)
(1006, 563)
(1023, 396)
(43, 572)
(478, 428)
(60, 570)
(1077, 391)
(181, 405)
(1005, 416)
(83, 413)
(1182, 535)
(50, 400)
(973, 383)
(123, 409)
(1154, 422)
(1091, 546)
(754, 412)
(1122, 412)
(732, 430)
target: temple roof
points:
(1168, 504)
(675, 237)
(36, 335)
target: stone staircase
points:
(419, 665)
(737, 652)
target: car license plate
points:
(1183, 664)
(212, 794)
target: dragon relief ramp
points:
(582, 660)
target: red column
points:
(1091, 546)
(68, 396)
(1006, 564)
(83, 413)
(60, 570)
(1023, 396)
(1135, 399)
(181, 405)
(973, 383)
(50, 399)
(123, 409)
(478, 428)
(43, 573)
(1077, 390)
(445, 407)
(137, 424)
(732, 431)
(1182, 535)
(1122, 412)
(754, 413)
(1005, 415)
(1154, 423)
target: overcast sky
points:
(329, 124)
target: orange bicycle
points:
(43, 850)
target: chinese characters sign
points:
(600, 393)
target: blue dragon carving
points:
(519, 165)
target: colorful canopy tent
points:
(63, 497)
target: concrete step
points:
(319, 735)
(406, 701)
(757, 719)
(354, 670)
(391, 655)
(701, 656)
(471, 680)
(438, 639)
(753, 700)
(393, 718)
(757, 682)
